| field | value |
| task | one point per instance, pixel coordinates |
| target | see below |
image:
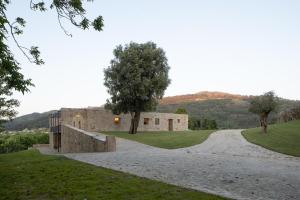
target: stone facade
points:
(71, 128)
(99, 119)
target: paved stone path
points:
(225, 164)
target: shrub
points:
(204, 124)
(291, 114)
(21, 141)
(181, 111)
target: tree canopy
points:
(11, 79)
(263, 105)
(181, 111)
(204, 124)
(136, 79)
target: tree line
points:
(198, 124)
(202, 124)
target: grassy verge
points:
(30, 175)
(283, 137)
(165, 139)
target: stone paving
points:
(225, 164)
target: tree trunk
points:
(135, 119)
(264, 122)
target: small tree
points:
(181, 111)
(263, 105)
(205, 124)
(213, 124)
(136, 79)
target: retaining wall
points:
(74, 140)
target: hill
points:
(30, 121)
(229, 110)
(200, 96)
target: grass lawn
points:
(283, 137)
(166, 139)
(31, 175)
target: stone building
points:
(98, 119)
(71, 128)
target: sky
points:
(242, 47)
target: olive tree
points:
(181, 111)
(263, 105)
(136, 80)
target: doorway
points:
(170, 124)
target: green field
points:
(31, 175)
(166, 139)
(283, 137)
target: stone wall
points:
(74, 140)
(99, 119)
(179, 122)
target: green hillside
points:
(30, 121)
(283, 137)
(229, 113)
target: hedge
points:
(21, 141)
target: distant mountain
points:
(229, 110)
(30, 121)
(201, 96)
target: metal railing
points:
(55, 122)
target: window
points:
(74, 124)
(178, 120)
(79, 124)
(156, 121)
(146, 121)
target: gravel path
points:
(225, 164)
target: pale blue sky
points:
(243, 47)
